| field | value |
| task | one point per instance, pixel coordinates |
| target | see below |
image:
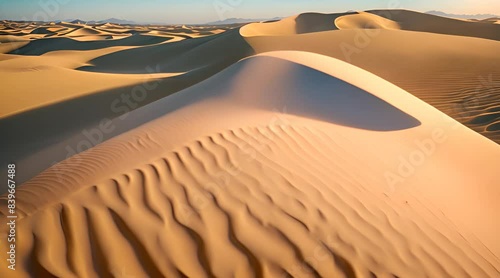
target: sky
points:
(202, 11)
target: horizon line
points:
(137, 22)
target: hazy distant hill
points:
(463, 16)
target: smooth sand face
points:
(299, 162)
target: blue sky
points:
(201, 11)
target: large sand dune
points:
(261, 151)
(456, 74)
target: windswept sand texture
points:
(260, 151)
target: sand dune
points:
(86, 31)
(414, 21)
(354, 144)
(245, 187)
(42, 46)
(374, 19)
(71, 25)
(364, 20)
(303, 23)
(211, 53)
(459, 77)
(42, 30)
(9, 46)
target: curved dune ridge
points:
(320, 145)
(263, 193)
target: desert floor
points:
(356, 144)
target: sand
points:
(262, 151)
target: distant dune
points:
(359, 144)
